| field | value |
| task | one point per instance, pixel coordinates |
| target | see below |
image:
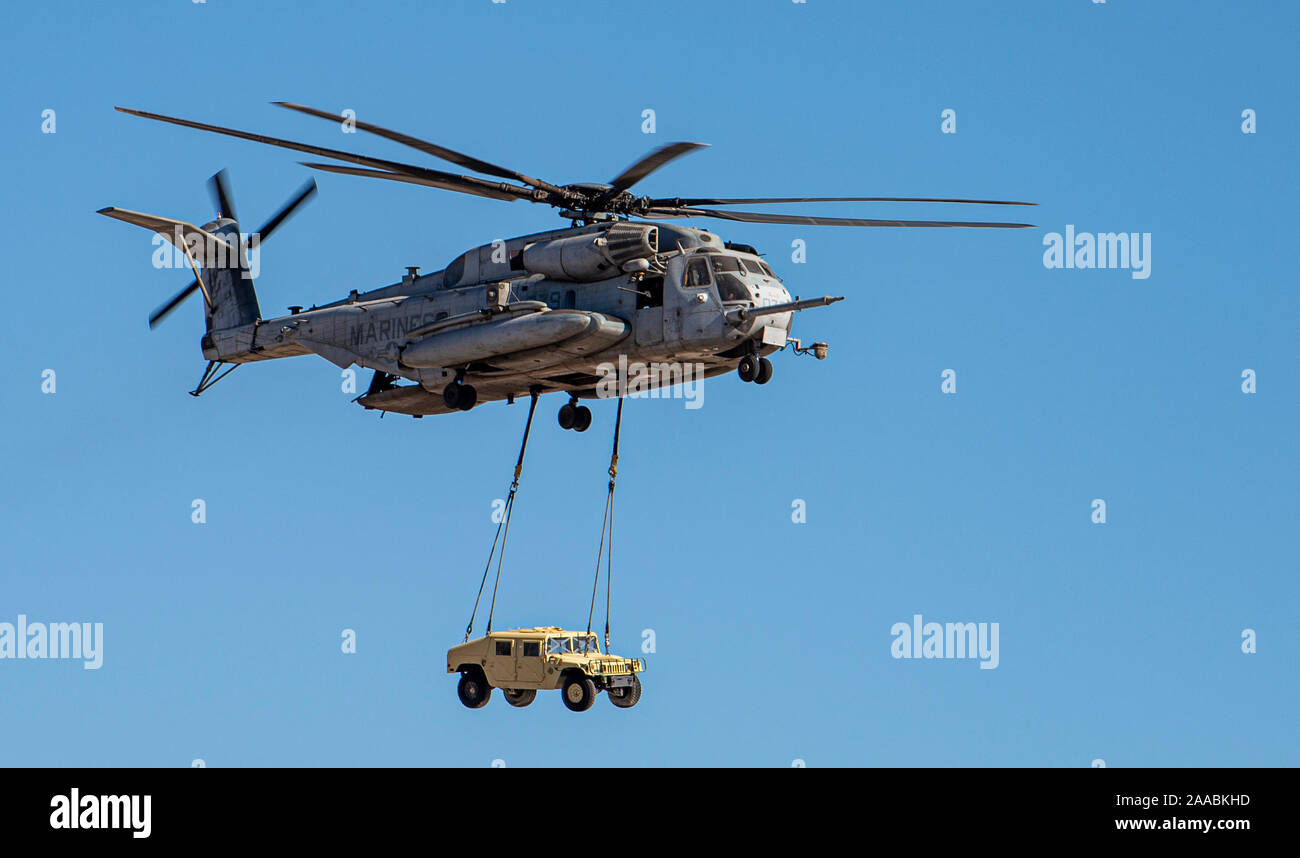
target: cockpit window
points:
(751, 266)
(731, 287)
(728, 273)
(697, 273)
(767, 270)
(725, 263)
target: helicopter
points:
(546, 312)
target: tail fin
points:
(230, 282)
(218, 254)
(218, 257)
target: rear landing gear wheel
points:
(582, 420)
(627, 696)
(568, 416)
(748, 368)
(764, 371)
(579, 693)
(451, 395)
(520, 697)
(467, 397)
(473, 689)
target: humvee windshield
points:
(558, 646)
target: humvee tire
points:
(627, 696)
(520, 697)
(579, 692)
(473, 688)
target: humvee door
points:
(529, 663)
(500, 667)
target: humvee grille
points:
(612, 666)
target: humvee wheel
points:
(579, 692)
(748, 368)
(520, 697)
(764, 371)
(473, 689)
(627, 696)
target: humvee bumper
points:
(619, 681)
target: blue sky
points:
(1118, 641)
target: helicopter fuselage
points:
(552, 311)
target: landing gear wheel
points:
(582, 422)
(568, 416)
(473, 689)
(451, 395)
(579, 692)
(519, 697)
(748, 368)
(466, 398)
(627, 696)
(764, 371)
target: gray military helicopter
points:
(534, 314)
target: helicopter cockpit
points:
(738, 278)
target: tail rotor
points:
(227, 222)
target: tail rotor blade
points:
(177, 299)
(306, 192)
(219, 187)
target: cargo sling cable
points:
(503, 527)
(607, 526)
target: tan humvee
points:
(522, 661)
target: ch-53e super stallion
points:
(533, 314)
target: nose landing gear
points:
(754, 368)
(574, 416)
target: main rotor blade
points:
(729, 201)
(306, 192)
(458, 158)
(649, 164)
(411, 179)
(449, 181)
(222, 199)
(765, 217)
(163, 311)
